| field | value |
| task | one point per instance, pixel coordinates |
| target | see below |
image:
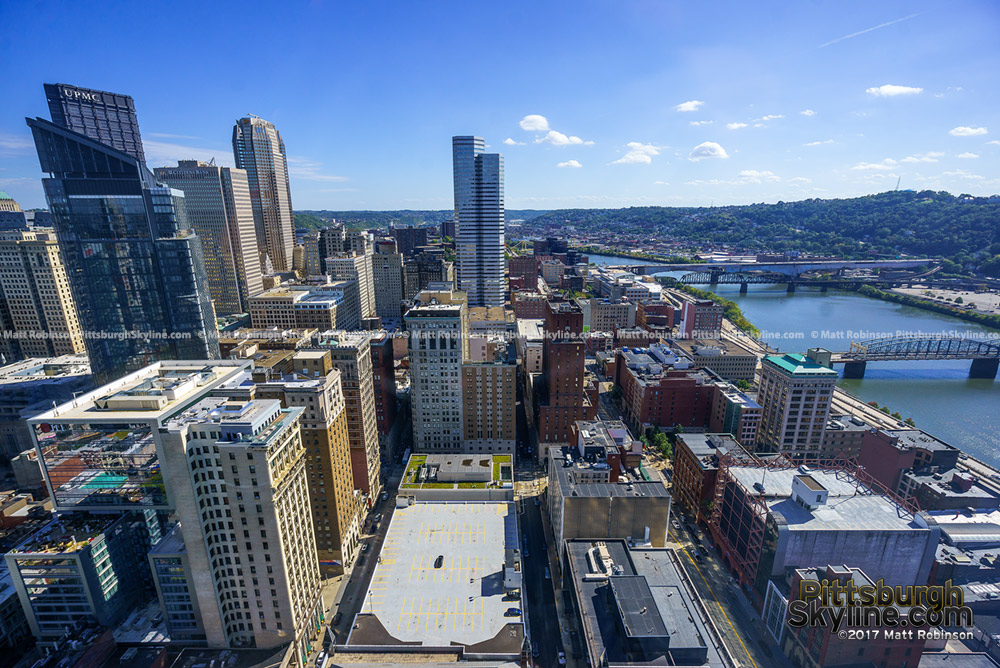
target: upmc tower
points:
(479, 221)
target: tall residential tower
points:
(259, 150)
(479, 219)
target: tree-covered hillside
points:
(963, 229)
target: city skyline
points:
(693, 109)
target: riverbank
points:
(731, 310)
(643, 257)
(969, 315)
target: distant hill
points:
(963, 229)
(311, 220)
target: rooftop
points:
(850, 506)
(152, 393)
(569, 471)
(413, 601)
(67, 533)
(650, 595)
(707, 448)
(799, 365)
(45, 368)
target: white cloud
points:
(167, 135)
(660, 183)
(966, 131)
(883, 166)
(962, 174)
(930, 156)
(769, 117)
(735, 126)
(995, 142)
(707, 149)
(967, 155)
(534, 123)
(512, 142)
(756, 176)
(807, 112)
(309, 170)
(818, 143)
(892, 90)
(559, 139)
(13, 144)
(799, 179)
(690, 105)
(638, 154)
(166, 154)
(570, 163)
(697, 123)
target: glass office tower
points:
(258, 148)
(107, 117)
(135, 267)
(479, 221)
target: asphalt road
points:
(543, 620)
(352, 598)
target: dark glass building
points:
(135, 268)
(107, 117)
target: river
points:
(939, 396)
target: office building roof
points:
(436, 582)
(649, 596)
(570, 469)
(850, 506)
(152, 393)
(799, 365)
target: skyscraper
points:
(438, 327)
(218, 207)
(33, 283)
(259, 150)
(479, 218)
(107, 117)
(234, 568)
(135, 269)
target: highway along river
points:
(939, 396)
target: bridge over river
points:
(984, 353)
(753, 273)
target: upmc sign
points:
(77, 94)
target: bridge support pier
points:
(791, 288)
(855, 370)
(984, 368)
(744, 288)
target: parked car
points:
(534, 650)
(561, 657)
(548, 575)
(364, 547)
(439, 562)
(337, 617)
(512, 612)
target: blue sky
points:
(594, 104)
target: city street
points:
(350, 597)
(728, 606)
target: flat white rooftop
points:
(462, 600)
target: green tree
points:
(991, 267)
(743, 384)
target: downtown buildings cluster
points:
(262, 445)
